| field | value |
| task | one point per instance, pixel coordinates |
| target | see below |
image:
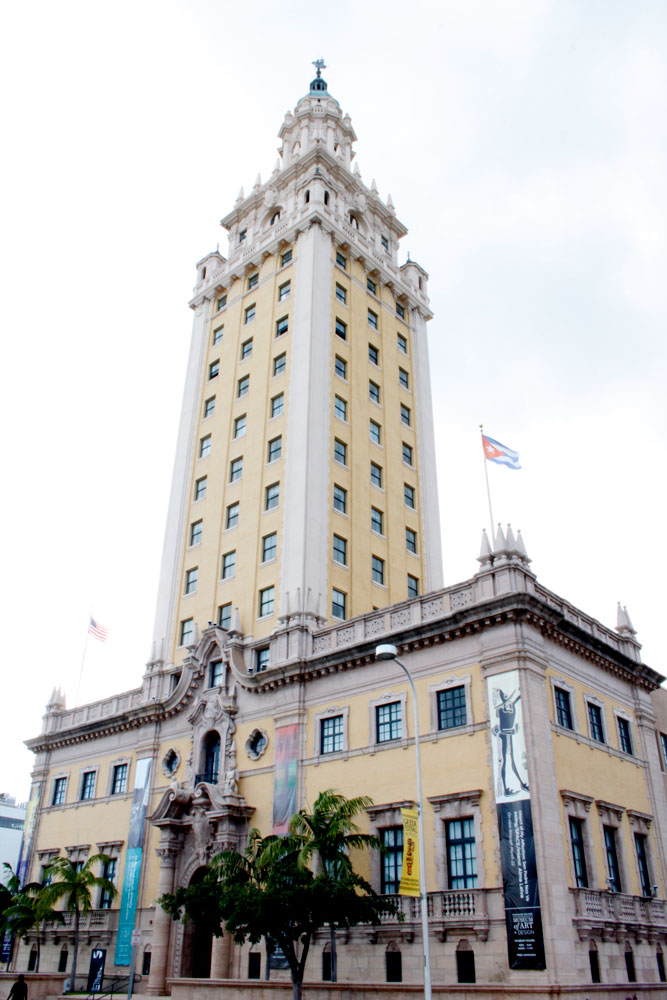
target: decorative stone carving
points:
(231, 784)
(200, 830)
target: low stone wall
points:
(40, 984)
(235, 989)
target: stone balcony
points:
(614, 915)
(455, 911)
(95, 924)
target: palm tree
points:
(324, 838)
(28, 909)
(73, 885)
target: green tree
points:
(73, 885)
(266, 892)
(323, 839)
(29, 909)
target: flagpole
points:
(83, 660)
(488, 488)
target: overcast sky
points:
(524, 143)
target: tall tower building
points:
(304, 485)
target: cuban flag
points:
(494, 451)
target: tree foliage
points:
(25, 907)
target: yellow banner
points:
(410, 871)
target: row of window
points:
(271, 492)
(88, 781)
(377, 517)
(276, 408)
(563, 706)
(340, 546)
(340, 329)
(340, 368)
(461, 856)
(376, 471)
(582, 856)
(341, 407)
(253, 280)
(371, 284)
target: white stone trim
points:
(622, 713)
(578, 806)
(611, 815)
(560, 682)
(593, 700)
(112, 765)
(450, 681)
(458, 805)
(387, 699)
(329, 713)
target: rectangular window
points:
(338, 603)
(413, 586)
(253, 281)
(275, 449)
(59, 791)
(286, 257)
(403, 378)
(269, 546)
(246, 349)
(578, 853)
(340, 408)
(614, 880)
(119, 780)
(222, 302)
(341, 294)
(272, 496)
(409, 495)
(341, 260)
(214, 369)
(191, 580)
(282, 326)
(249, 313)
(187, 631)
(88, 785)
(341, 329)
(339, 550)
(371, 286)
(215, 674)
(266, 599)
(209, 407)
(243, 386)
(563, 708)
(262, 659)
(284, 291)
(376, 475)
(411, 540)
(375, 432)
(340, 452)
(373, 354)
(406, 416)
(452, 708)
(279, 364)
(388, 722)
(108, 871)
(340, 368)
(374, 391)
(402, 343)
(377, 569)
(461, 854)
(624, 736)
(195, 532)
(663, 747)
(391, 859)
(642, 864)
(377, 521)
(400, 310)
(225, 615)
(205, 446)
(595, 722)
(339, 499)
(235, 469)
(240, 426)
(384, 240)
(233, 515)
(228, 565)
(277, 404)
(372, 319)
(331, 734)
(200, 488)
(217, 335)
(407, 454)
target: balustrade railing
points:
(600, 904)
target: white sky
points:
(524, 143)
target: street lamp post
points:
(388, 652)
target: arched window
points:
(32, 960)
(354, 221)
(307, 196)
(630, 965)
(274, 218)
(146, 962)
(203, 273)
(326, 964)
(594, 962)
(465, 962)
(62, 961)
(211, 758)
(393, 964)
(661, 966)
(326, 197)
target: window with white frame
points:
(272, 496)
(266, 601)
(233, 511)
(240, 426)
(284, 291)
(269, 546)
(274, 449)
(339, 550)
(205, 446)
(209, 407)
(187, 630)
(228, 565)
(191, 580)
(277, 405)
(200, 488)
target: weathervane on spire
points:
(319, 65)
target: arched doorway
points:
(197, 944)
(210, 758)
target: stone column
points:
(162, 927)
(220, 956)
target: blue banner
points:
(133, 857)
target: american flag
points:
(97, 630)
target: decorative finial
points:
(319, 65)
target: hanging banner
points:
(96, 970)
(133, 855)
(284, 778)
(523, 917)
(410, 871)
